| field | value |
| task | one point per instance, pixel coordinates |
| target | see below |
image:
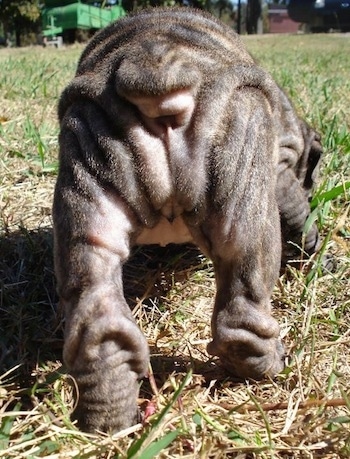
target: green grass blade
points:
(135, 448)
(159, 445)
(330, 194)
(5, 428)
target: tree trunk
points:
(18, 37)
(253, 16)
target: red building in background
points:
(279, 20)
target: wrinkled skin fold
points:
(170, 132)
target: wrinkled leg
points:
(293, 192)
(104, 349)
(294, 210)
(245, 336)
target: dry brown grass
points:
(304, 413)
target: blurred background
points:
(57, 22)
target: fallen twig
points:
(284, 405)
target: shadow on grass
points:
(31, 324)
(30, 328)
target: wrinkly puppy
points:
(170, 132)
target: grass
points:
(191, 409)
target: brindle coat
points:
(170, 132)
